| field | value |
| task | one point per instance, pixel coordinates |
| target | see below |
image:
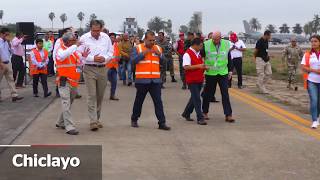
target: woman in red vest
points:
(194, 69)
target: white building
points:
(130, 26)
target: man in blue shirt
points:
(5, 65)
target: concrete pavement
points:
(15, 117)
(260, 145)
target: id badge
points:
(78, 70)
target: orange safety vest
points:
(305, 74)
(149, 67)
(68, 68)
(113, 63)
(33, 68)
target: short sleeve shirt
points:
(262, 46)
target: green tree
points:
(156, 24)
(255, 24)
(184, 29)
(140, 32)
(1, 16)
(316, 24)
(195, 23)
(271, 28)
(297, 29)
(81, 18)
(63, 19)
(51, 17)
(168, 26)
(308, 28)
(284, 28)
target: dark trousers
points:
(155, 91)
(43, 78)
(51, 66)
(112, 78)
(211, 84)
(237, 64)
(181, 69)
(18, 69)
(194, 101)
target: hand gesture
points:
(86, 52)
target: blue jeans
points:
(314, 94)
(194, 102)
(126, 66)
(155, 91)
(112, 77)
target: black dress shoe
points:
(202, 122)
(47, 95)
(164, 127)
(130, 84)
(73, 132)
(184, 87)
(134, 124)
(59, 126)
(78, 96)
(35, 95)
(112, 98)
(14, 99)
(187, 118)
(173, 80)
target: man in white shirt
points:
(236, 53)
(101, 52)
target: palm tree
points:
(195, 23)
(1, 16)
(81, 18)
(284, 28)
(316, 23)
(51, 17)
(255, 24)
(308, 28)
(297, 29)
(271, 28)
(63, 19)
(184, 29)
(156, 24)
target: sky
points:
(225, 15)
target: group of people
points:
(99, 56)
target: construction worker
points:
(113, 66)
(57, 46)
(219, 72)
(68, 67)
(292, 55)
(39, 68)
(148, 80)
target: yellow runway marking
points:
(280, 117)
(273, 107)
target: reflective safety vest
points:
(149, 67)
(305, 74)
(68, 68)
(217, 60)
(113, 63)
(33, 68)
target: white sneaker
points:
(315, 124)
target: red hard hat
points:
(181, 34)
